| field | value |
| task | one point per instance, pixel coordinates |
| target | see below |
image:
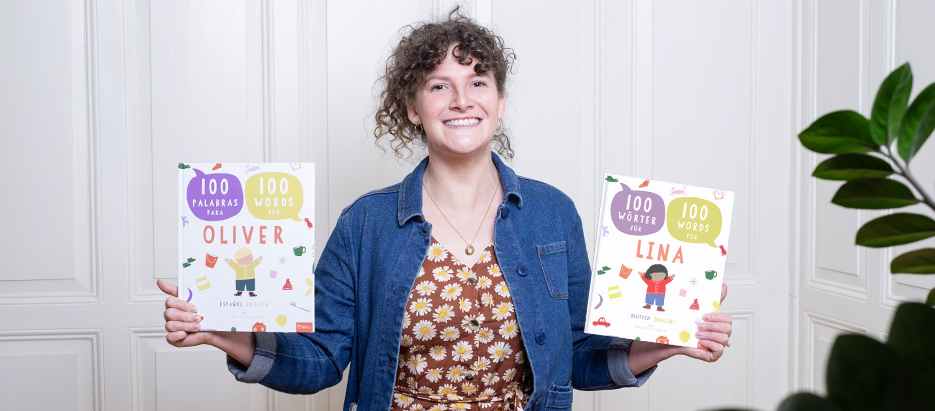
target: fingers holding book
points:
(713, 336)
(182, 319)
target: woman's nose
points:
(459, 100)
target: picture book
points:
(659, 260)
(247, 245)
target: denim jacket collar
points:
(410, 190)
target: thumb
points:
(723, 291)
(168, 288)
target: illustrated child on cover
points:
(244, 265)
(656, 278)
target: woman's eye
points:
(437, 87)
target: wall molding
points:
(748, 124)
(85, 287)
(92, 336)
(811, 320)
(268, 50)
(749, 316)
(260, 111)
(810, 39)
(137, 386)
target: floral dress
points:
(461, 346)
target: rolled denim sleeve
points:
(619, 365)
(305, 363)
(262, 363)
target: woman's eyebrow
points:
(435, 77)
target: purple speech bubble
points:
(637, 212)
(214, 197)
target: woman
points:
(463, 286)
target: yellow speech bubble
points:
(694, 220)
(274, 196)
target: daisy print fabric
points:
(461, 347)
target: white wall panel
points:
(681, 94)
(839, 71)
(356, 57)
(198, 97)
(541, 102)
(822, 332)
(66, 366)
(167, 378)
(912, 39)
(48, 157)
(703, 118)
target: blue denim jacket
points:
(370, 263)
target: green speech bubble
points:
(693, 220)
(274, 196)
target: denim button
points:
(504, 212)
(521, 270)
(387, 363)
(540, 338)
(538, 406)
(399, 292)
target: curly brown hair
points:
(418, 54)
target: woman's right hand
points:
(182, 320)
(184, 324)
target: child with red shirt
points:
(656, 278)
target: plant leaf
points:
(851, 166)
(911, 336)
(915, 262)
(917, 124)
(930, 300)
(874, 193)
(890, 105)
(839, 132)
(895, 229)
(806, 401)
(865, 374)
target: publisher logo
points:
(304, 327)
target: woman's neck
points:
(462, 183)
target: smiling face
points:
(458, 108)
(245, 260)
(659, 276)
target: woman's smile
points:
(462, 122)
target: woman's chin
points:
(462, 147)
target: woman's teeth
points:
(462, 122)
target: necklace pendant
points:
(469, 249)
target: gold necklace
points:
(470, 246)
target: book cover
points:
(247, 245)
(659, 260)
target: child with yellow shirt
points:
(244, 265)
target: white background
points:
(98, 96)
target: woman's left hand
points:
(713, 333)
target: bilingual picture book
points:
(659, 262)
(247, 245)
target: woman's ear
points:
(414, 116)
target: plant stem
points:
(904, 172)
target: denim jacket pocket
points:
(554, 260)
(559, 397)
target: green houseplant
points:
(873, 156)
